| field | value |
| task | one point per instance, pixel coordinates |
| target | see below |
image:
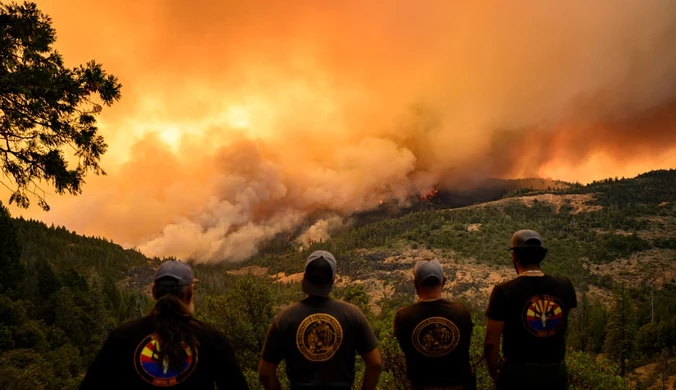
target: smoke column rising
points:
(241, 119)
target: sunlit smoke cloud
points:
(320, 231)
(240, 120)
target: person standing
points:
(434, 334)
(168, 348)
(530, 313)
(319, 337)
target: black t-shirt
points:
(535, 312)
(319, 338)
(126, 362)
(435, 337)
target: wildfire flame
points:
(430, 195)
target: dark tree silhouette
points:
(46, 109)
(621, 329)
(11, 268)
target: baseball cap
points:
(426, 269)
(320, 272)
(173, 272)
(526, 239)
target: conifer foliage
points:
(11, 269)
(46, 109)
(621, 329)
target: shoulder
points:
(514, 284)
(144, 324)
(405, 311)
(210, 333)
(507, 284)
(208, 328)
(289, 310)
(290, 314)
(351, 313)
(459, 307)
(500, 288)
(457, 311)
(348, 308)
(133, 324)
(562, 280)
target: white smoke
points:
(320, 231)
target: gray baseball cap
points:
(425, 269)
(175, 272)
(526, 239)
(320, 272)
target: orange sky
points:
(239, 119)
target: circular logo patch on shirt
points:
(319, 337)
(543, 315)
(435, 337)
(156, 372)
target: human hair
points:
(530, 255)
(174, 323)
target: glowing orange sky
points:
(240, 118)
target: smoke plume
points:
(241, 119)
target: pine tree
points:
(48, 280)
(11, 268)
(46, 108)
(621, 329)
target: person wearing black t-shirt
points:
(319, 337)
(168, 348)
(530, 312)
(434, 334)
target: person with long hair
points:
(167, 348)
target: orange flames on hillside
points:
(430, 195)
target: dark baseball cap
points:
(426, 269)
(320, 272)
(526, 239)
(173, 272)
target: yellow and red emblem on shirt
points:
(159, 373)
(543, 315)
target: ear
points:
(443, 282)
(516, 261)
(154, 291)
(189, 293)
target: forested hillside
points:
(62, 293)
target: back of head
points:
(528, 247)
(320, 273)
(428, 274)
(172, 314)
